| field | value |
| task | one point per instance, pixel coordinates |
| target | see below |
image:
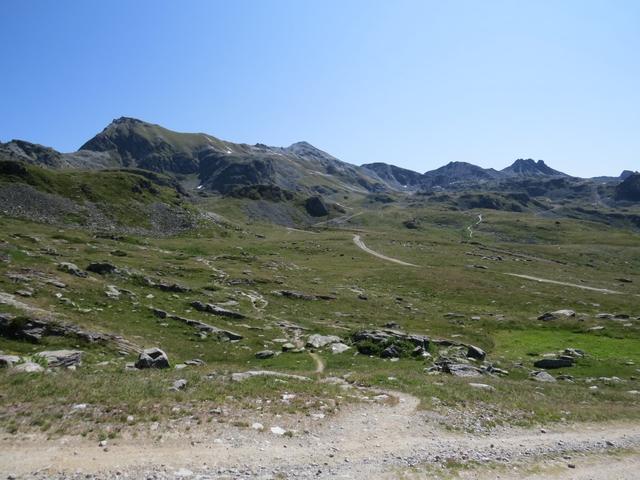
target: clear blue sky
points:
(413, 83)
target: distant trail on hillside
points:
(470, 227)
(360, 244)
(338, 220)
(583, 287)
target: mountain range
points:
(222, 166)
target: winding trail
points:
(360, 244)
(338, 220)
(470, 227)
(583, 287)
(319, 363)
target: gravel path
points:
(360, 244)
(583, 287)
(378, 439)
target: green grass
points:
(229, 263)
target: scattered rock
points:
(459, 369)
(27, 367)
(278, 430)
(337, 348)
(551, 363)
(61, 358)
(180, 384)
(388, 335)
(8, 360)
(574, 352)
(542, 376)
(72, 269)
(475, 352)
(264, 354)
(196, 362)
(183, 473)
(481, 386)
(201, 326)
(152, 358)
(288, 347)
(112, 292)
(411, 224)
(303, 296)
(557, 315)
(318, 341)
(390, 352)
(101, 268)
(216, 310)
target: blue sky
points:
(413, 83)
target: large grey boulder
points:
(152, 358)
(61, 358)
(318, 341)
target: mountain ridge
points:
(223, 166)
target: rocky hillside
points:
(225, 166)
(204, 163)
(397, 177)
(531, 168)
(127, 200)
(629, 189)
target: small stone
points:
(264, 354)
(180, 384)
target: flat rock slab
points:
(216, 310)
(61, 358)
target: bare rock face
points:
(629, 189)
(152, 358)
(316, 207)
